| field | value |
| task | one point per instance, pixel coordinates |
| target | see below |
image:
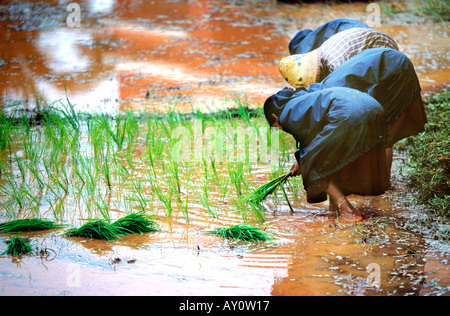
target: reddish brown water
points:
(181, 54)
(311, 256)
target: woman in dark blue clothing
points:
(345, 142)
(389, 77)
(341, 133)
(308, 40)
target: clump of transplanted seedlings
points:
(263, 191)
(18, 246)
(135, 223)
(27, 225)
(242, 232)
(95, 229)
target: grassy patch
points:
(439, 10)
(27, 225)
(263, 191)
(55, 161)
(135, 223)
(242, 232)
(18, 246)
(428, 168)
(95, 229)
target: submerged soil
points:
(184, 55)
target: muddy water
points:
(310, 256)
(156, 55)
(153, 55)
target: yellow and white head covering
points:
(301, 70)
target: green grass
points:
(72, 165)
(135, 223)
(263, 191)
(242, 232)
(18, 246)
(439, 10)
(95, 229)
(428, 166)
(27, 225)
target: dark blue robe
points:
(385, 74)
(333, 126)
(308, 40)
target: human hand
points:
(295, 170)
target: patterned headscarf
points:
(301, 70)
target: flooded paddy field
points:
(104, 168)
(189, 172)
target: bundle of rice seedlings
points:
(96, 229)
(242, 232)
(18, 246)
(263, 191)
(27, 225)
(135, 223)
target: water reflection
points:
(104, 6)
(63, 50)
(141, 54)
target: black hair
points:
(269, 109)
(275, 104)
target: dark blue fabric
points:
(385, 74)
(308, 40)
(334, 127)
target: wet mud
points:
(187, 55)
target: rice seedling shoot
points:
(27, 225)
(18, 246)
(242, 232)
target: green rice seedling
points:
(263, 191)
(203, 196)
(69, 113)
(296, 186)
(163, 197)
(18, 246)
(236, 174)
(138, 195)
(129, 159)
(175, 175)
(15, 191)
(27, 225)
(106, 172)
(286, 197)
(242, 232)
(118, 132)
(135, 223)
(35, 171)
(184, 206)
(20, 166)
(95, 229)
(57, 206)
(5, 132)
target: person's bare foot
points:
(339, 206)
(348, 214)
